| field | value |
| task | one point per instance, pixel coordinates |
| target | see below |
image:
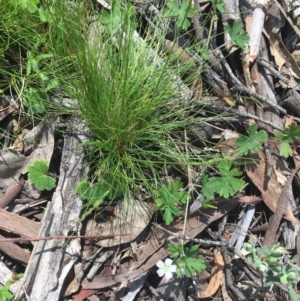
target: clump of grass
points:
(27, 62)
(130, 98)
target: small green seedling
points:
(112, 18)
(5, 294)
(218, 4)
(117, 16)
(170, 197)
(202, 49)
(269, 263)
(33, 7)
(30, 5)
(182, 12)
(38, 175)
(201, 202)
(92, 194)
(36, 100)
(239, 38)
(33, 61)
(291, 136)
(226, 185)
(185, 259)
(251, 143)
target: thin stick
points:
(190, 187)
(18, 239)
(197, 240)
(244, 89)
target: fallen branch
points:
(11, 193)
(19, 239)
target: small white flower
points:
(166, 268)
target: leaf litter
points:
(49, 153)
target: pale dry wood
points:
(52, 260)
(6, 275)
(265, 88)
(257, 28)
(241, 231)
(289, 234)
(135, 286)
(97, 264)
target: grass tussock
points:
(128, 93)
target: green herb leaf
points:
(170, 196)
(207, 205)
(294, 296)
(219, 5)
(252, 143)
(176, 251)
(205, 53)
(182, 13)
(83, 189)
(36, 100)
(92, 194)
(191, 252)
(293, 132)
(112, 18)
(32, 8)
(5, 294)
(241, 39)
(291, 135)
(38, 175)
(194, 264)
(227, 184)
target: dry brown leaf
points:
(131, 217)
(281, 178)
(84, 294)
(271, 190)
(290, 63)
(279, 60)
(228, 134)
(11, 163)
(43, 134)
(216, 278)
(228, 147)
(289, 120)
(153, 250)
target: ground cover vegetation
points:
(140, 97)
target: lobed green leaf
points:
(234, 30)
(251, 143)
(38, 175)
